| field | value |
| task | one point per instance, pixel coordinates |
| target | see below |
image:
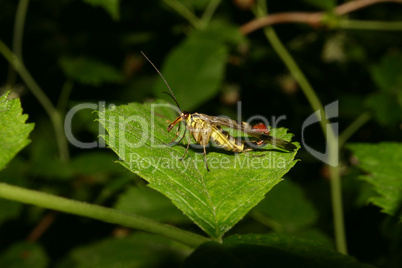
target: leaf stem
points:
(64, 95)
(184, 12)
(209, 11)
(18, 37)
(100, 213)
(353, 127)
(54, 115)
(370, 25)
(336, 191)
(264, 220)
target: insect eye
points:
(184, 115)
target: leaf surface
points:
(383, 163)
(287, 206)
(137, 250)
(194, 70)
(111, 6)
(214, 200)
(13, 129)
(149, 203)
(24, 255)
(269, 250)
(89, 71)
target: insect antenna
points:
(171, 92)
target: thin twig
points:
(42, 226)
(359, 4)
(311, 18)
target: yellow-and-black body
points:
(205, 128)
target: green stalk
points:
(370, 25)
(18, 36)
(336, 191)
(54, 115)
(209, 11)
(184, 12)
(353, 127)
(100, 213)
(64, 95)
(264, 220)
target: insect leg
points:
(188, 145)
(205, 158)
(173, 142)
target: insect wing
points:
(249, 130)
(230, 123)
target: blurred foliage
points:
(24, 254)
(137, 250)
(383, 163)
(258, 250)
(92, 47)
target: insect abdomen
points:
(223, 139)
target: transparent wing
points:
(248, 129)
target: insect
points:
(205, 128)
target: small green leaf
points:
(195, 4)
(89, 71)
(137, 250)
(214, 200)
(111, 6)
(194, 71)
(13, 129)
(387, 74)
(386, 104)
(287, 206)
(385, 108)
(383, 163)
(24, 254)
(220, 31)
(149, 203)
(272, 250)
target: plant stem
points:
(336, 191)
(184, 12)
(264, 220)
(209, 11)
(64, 95)
(54, 115)
(100, 213)
(353, 127)
(17, 37)
(370, 25)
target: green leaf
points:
(287, 207)
(24, 254)
(194, 71)
(137, 250)
(111, 6)
(327, 5)
(214, 200)
(13, 129)
(387, 103)
(385, 108)
(149, 203)
(220, 31)
(89, 71)
(272, 250)
(195, 4)
(383, 163)
(387, 74)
